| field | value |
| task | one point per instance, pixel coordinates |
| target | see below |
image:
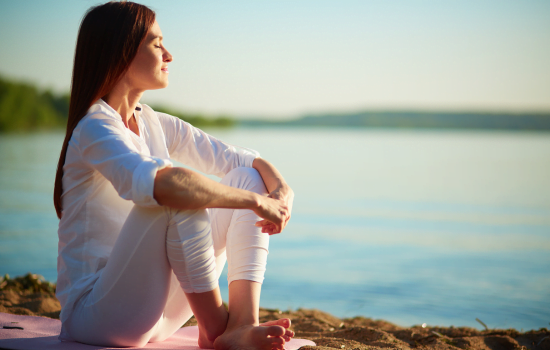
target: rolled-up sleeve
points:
(105, 147)
(204, 152)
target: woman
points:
(142, 243)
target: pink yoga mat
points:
(42, 332)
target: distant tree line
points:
(420, 120)
(198, 120)
(24, 107)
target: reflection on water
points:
(410, 226)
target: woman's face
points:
(149, 69)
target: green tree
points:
(24, 108)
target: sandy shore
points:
(30, 295)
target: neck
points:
(124, 101)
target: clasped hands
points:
(275, 209)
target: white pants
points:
(159, 254)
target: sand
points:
(30, 295)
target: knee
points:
(195, 217)
(187, 226)
(243, 173)
(246, 179)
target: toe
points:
(276, 331)
(277, 343)
(271, 341)
(269, 323)
(283, 322)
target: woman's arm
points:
(278, 189)
(199, 150)
(212, 156)
(188, 190)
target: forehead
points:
(154, 31)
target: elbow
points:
(163, 181)
(168, 187)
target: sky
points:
(287, 58)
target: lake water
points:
(409, 226)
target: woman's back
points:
(93, 209)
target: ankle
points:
(236, 322)
(210, 334)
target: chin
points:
(160, 86)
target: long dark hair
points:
(108, 40)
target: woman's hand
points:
(275, 215)
(283, 197)
(279, 191)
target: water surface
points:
(409, 226)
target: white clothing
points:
(137, 298)
(107, 170)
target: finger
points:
(262, 223)
(283, 225)
(271, 229)
(266, 224)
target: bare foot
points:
(250, 337)
(283, 322)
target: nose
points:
(167, 56)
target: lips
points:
(165, 69)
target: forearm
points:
(272, 177)
(278, 189)
(185, 189)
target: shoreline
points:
(32, 295)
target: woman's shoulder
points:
(101, 110)
(100, 113)
(148, 113)
(150, 117)
(99, 119)
(166, 121)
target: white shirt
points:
(108, 170)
